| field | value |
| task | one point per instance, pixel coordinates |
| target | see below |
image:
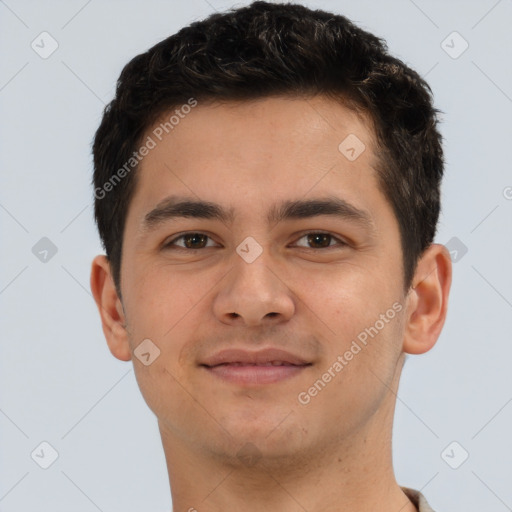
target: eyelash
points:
(170, 243)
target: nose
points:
(254, 294)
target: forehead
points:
(263, 128)
(244, 152)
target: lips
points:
(249, 368)
(270, 363)
(264, 357)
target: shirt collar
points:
(417, 499)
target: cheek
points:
(160, 309)
(159, 299)
(157, 310)
(346, 298)
(363, 375)
(359, 315)
(163, 388)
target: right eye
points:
(192, 240)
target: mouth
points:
(255, 368)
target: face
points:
(296, 251)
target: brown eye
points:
(320, 240)
(191, 240)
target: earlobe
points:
(110, 308)
(428, 300)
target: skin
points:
(333, 453)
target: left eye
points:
(323, 239)
(194, 240)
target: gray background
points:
(60, 384)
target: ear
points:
(427, 301)
(110, 307)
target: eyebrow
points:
(174, 207)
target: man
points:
(267, 193)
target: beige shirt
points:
(418, 500)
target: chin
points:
(270, 435)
